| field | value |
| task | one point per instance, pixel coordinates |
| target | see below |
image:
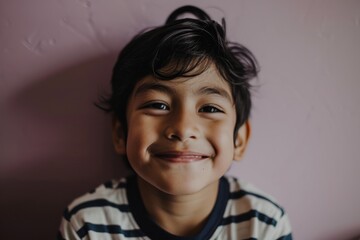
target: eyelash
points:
(157, 106)
(163, 106)
(211, 109)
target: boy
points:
(181, 103)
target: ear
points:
(118, 136)
(241, 140)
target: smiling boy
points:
(181, 103)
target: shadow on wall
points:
(58, 146)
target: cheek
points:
(140, 136)
(222, 140)
(223, 134)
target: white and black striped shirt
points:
(115, 210)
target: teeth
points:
(182, 156)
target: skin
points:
(180, 142)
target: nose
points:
(182, 126)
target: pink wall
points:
(56, 57)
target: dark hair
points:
(182, 48)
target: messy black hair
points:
(182, 48)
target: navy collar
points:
(153, 231)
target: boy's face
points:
(181, 132)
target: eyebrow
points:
(168, 90)
(215, 91)
(154, 86)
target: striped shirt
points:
(115, 210)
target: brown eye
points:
(157, 105)
(210, 109)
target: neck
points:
(179, 215)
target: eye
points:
(210, 109)
(157, 105)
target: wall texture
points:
(56, 58)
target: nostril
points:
(174, 137)
(180, 133)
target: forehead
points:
(209, 81)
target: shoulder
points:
(105, 206)
(241, 191)
(248, 204)
(112, 193)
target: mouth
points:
(181, 157)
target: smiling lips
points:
(181, 157)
